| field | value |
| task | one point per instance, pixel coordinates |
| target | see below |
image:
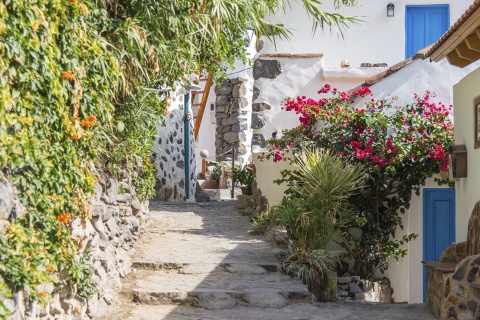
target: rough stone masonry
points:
(232, 119)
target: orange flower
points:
(43, 294)
(86, 123)
(89, 121)
(50, 270)
(67, 75)
(64, 218)
(76, 164)
(75, 137)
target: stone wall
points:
(354, 288)
(232, 119)
(462, 291)
(170, 154)
(117, 215)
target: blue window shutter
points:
(424, 25)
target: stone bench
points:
(437, 273)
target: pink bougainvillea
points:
(399, 147)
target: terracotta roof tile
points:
(467, 14)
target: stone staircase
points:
(202, 256)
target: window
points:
(424, 25)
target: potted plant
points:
(244, 176)
(213, 179)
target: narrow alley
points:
(198, 261)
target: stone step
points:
(217, 290)
(198, 268)
(298, 311)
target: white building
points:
(374, 52)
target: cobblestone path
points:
(197, 261)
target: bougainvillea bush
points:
(399, 147)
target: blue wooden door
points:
(424, 25)
(438, 224)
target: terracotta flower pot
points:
(210, 184)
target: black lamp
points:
(390, 10)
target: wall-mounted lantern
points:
(459, 161)
(390, 10)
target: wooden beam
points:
(473, 41)
(465, 30)
(464, 52)
(456, 60)
(206, 92)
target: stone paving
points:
(198, 261)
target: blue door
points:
(424, 25)
(438, 224)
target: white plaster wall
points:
(299, 77)
(467, 191)
(266, 172)
(418, 77)
(169, 147)
(376, 40)
(206, 134)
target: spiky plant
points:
(313, 213)
(316, 268)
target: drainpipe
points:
(186, 142)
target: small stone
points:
(97, 208)
(269, 69)
(238, 80)
(221, 101)
(472, 306)
(126, 211)
(258, 140)
(136, 206)
(262, 106)
(97, 187)
(258, 120)
(223, 91)
(4, 226)
(239, 91)
(244, 202)
(354, 288)
(112, 190)
(124, 198)
(460, 272)
(344, 280)
(7, 200)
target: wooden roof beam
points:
(455, 59)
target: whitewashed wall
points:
(376, 40)
(169, 158)
(420, 76)
(467, 188)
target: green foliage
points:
(316, 268)
(82, 87)
(215, 173)
(244, 175)
(55, 77)
(314, 212)
(4, 293)
(398, 147)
